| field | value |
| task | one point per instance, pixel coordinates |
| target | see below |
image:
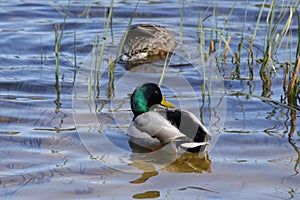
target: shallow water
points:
(66, 139)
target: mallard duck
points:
(144, 40)
(154, 126)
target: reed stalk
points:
(202, 55)
(125, 34)
(293, 87)
(111, 78)
(227, 45)
(58, 38)
(258, 19)
(215, 24)
(111, 29)
(93, 68)
(75, 59)
(113, 62)
(226, 50)
(86, 11)
(263, 98)
(104, 37)
(181, 22)
(56, 50)
(224, 27)
(166, 64)
(250, 56)
(285, 78)
(243, 32)
(272, 39)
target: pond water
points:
(64, 138)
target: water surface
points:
(44, 154)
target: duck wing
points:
(155, 129)
(148, 30)
(152, 130)
(189, 125)
(140, 141)
(156, 125)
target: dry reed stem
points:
(111, 78)
(251, 50)
(293, 80)
(226, 50)
(211, 47)
(285, 79)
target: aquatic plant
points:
(273, 40)
(57, 48)
(292, 91)
(166, 65)
(113, 62)
(181, 22)
(277, 22)
(294, 88)
(104, 37)
(75, 60)
(111, 78)
(125, 33)
(58, 38)
(222, 32)
(202, 54)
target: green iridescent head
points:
(145, 96)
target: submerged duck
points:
(145, 40)
(154, 126)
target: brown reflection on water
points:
(148, 171)
(186, 163)
(146, 195)
(189, 163)
(292, 142)
(266, 85)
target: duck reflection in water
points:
(186, 163)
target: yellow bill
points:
(166, 103)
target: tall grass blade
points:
(111, 78)
(93, 68)
(225, 25)
(166, 65)
(65, 20)
(293, 88)
(258, 18)
(181, 22)
(58, 39)
(298, 45)
(202, 57)
(240, 45)
(56, 50)
(215, 19)
(75, 59)
(125, 34)
(101, 57)
(226, 49)
(284, 31)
